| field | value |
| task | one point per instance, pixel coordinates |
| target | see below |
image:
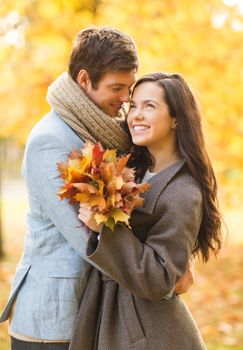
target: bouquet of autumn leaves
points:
(102, 181)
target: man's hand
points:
(186, 280)
(87, 217)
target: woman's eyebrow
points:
(146, 101)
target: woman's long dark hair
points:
(190, 142)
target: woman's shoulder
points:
(184, 179)
(180, 200)
(177, 189)
(182, 188)
(171, 186)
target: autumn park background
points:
(201, 39)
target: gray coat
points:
(125, 308)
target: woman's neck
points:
(164, 158)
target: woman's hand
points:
(186, 281)
(87, 217)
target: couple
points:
(129, 298)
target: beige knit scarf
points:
(88, 121)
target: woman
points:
(180, 217)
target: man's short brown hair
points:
(100, 50)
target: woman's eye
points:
(149, 105)
(116, 89)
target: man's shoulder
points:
(50, 141)
(51, 123)
(53, 127)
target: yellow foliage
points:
(173, 35)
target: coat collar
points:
(157, 185)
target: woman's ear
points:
(83, 79)
(174, 123)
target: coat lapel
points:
(157, 185)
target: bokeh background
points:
(202, 40)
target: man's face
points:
(112, 91)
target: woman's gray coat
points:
(126, 308)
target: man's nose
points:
(125, 97)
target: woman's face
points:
(149, 121)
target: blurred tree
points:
(35, 40)
(200, 39)
(28, 70)
(1, 227)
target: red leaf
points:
(97, 154)
(67, 191)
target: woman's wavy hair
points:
(190, 142)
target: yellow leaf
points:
(119, 215)
(100, 218)
(112, 199)
(110, 223)
(107, 171)
(77, 168)
(97, 201)
(100, 186)
(110, 155)
(82, 197)
(73, 174)
(119, 182)
(74, 163)
(87, 151)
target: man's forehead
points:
(119, 78)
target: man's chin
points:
(114, 114)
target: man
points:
(86, 104)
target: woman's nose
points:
(138, 114)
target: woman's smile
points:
(140, 128)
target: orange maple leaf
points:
(121, 164)
(102, 181)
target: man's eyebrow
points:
(117, 84)
(120, 84)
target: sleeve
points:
(43, 180)
(149, 270)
